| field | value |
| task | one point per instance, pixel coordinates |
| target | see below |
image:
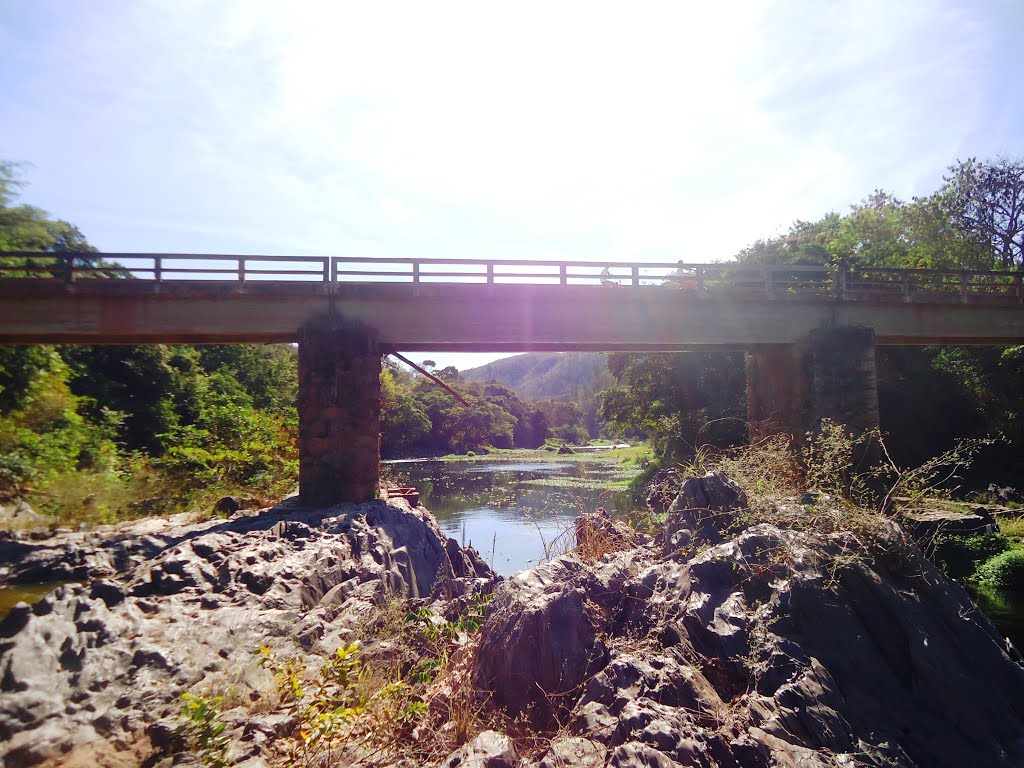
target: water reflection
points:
(1005, 608)
(508, 511)
(25, 593)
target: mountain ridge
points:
(575, 376)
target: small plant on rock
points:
(204, 729)
(323, 706)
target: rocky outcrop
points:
(703, 508)
(771, 648)
(715, 647)
(928, 525)
(165, 605)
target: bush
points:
(959, 556)
(1005, 570)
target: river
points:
(510, 511)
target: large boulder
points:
(703, 508)
(164, 605)
(794, 649)
(544, 636)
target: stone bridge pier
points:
(339, 414)
(790, 389)
(829, 375)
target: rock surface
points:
(756, 648)
(164, 605)
(771, 648)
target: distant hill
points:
(573, 376)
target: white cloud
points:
(559, 130)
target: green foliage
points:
(1005, 570)
(679, 400)
(267, 373)
(341, 707)
(974, 221)
(204, 729)
(568, 376)
(840, 463)
(323, 705)
(960, 556)
(98, 432)
(420, 418)
(985, 202)
(27, 228)
(93, 437)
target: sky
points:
(641, 131)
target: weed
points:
(1012, 527)
(1005, 570)
(960, 556)
(204, 729)
(371, 707)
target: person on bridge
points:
(606, 276)
(685, 277)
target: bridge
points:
(809, 331)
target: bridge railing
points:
(733, 280)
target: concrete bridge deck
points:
(498, 305)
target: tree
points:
(680, 400)
(268, 372)
(27, 228)
(986, 202)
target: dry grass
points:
(774, 473)
(405, 695)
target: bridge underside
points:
(807, 360)
(487, 318)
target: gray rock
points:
(18, 514)
(764, 648)
(488, 750)
(540, 641)
(704, 507)
(169, 604)
(577, 752)
(662, 490)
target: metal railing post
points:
(157, 268)
(768, 273)
(68, 264)
(963, 287)
(906, 288)
(490, 273)
(241, 270)
(700, 278)
(636, 276)
(563, 277)
(327, 269)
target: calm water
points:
(1005, 608)
(508, 510)
(25, 593)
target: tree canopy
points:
(975, 220)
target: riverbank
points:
(806, 636)
(630, 461)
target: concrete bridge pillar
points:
(829, 375)
(339, 415)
